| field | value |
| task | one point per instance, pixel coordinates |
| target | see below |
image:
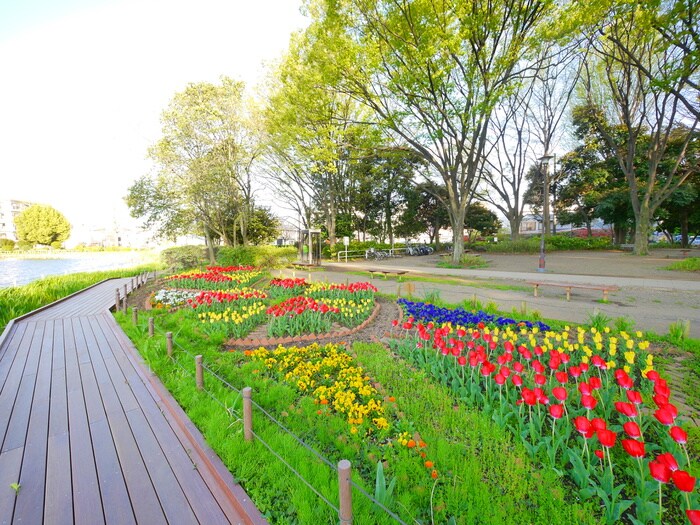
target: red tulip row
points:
(515, 377)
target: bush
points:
(7, 245)
(262, 256)
(552, 243)
(184, 257)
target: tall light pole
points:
(544, 165)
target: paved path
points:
(650, 296)
(91, 437)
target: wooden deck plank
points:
(58, 505)
(87, 501)
(30, 500)
(197, 492)
(142, 494)
(10, 464)
(9, 349)
(16, 434)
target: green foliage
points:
(42, 225)
(598, 320)
(16, 301)
(262, 256)
(691, 264)
(552, 243)
(623, 324)
(184, 257)
(679, 331)
(466, 261)
(7, 245)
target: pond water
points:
(16, 272)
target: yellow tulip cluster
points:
(329, 375)
(236, 316)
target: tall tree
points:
(636, 113)
(432, 72)
(204, 162)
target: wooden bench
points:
(627, 247)
(568, 288)
(398, 273)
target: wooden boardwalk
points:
(91, 437)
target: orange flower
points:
(434, 474)
(392, 399)
(324, 401)
(423, 444)
(411, 443)
(423, 454)
(428, 464)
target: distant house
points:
(9, 209)
(532, 225)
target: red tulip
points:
(633, 447)
(598, 423)
(660, 401)
(632, 429)
(683, 481)
(585, 389)
(653, 376)
(556, 411)
(693, 516)
(516, 380)
(679, 435)
(499, 379)
(505, 371)
(575, 371)
(626, 409)
(669, 460)
(538, 367)
(462, 361)
(562, 377)
(583, 425)
(589, 402)
(634, 397)
(540, 379)
(595, 383)
(659, 471)
(560, 393)
(664, 416)
(661, 388)
(599, 454)
(606, 437)
(529, 397)
(625, 382)
(518, 367)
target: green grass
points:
(19, 300)
(484, 477)
(466, 261)
(454, 281)
(691, 264)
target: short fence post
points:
(133, 284)
(169, 343)
(199, 376)
(124, 302)
(344, 492)
(117, 300)
(151, 326)
(247, 413)
(135, 315)
(398, 291)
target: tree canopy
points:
(42, 225)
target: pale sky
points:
(83, 84)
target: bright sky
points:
(83, 84)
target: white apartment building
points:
(9, 209)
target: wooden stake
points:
(151, 326)
(247, 413)
(169, 343)
(135, 315)
(344, 492)
(199, 374)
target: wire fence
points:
(241, 418)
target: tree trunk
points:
(641, 230)
(457, 223)
(589, 228)
(210, 247)
(684, 228)
(514, 223)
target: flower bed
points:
(586, 403)
(171, 298)
(286, 287)
(215, 278)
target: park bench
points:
(568, 288)
(627, 247)
(398, 273)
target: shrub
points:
(552, 243)
(260, 256)
(7, 245)
(184, 257)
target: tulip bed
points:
(585, 403)
(215, 278)
(171, 298)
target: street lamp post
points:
(544, 165)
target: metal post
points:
(135, 315)
(344, 492)
(169, 343)
(151, 326)
(247, 413)
(199, 376)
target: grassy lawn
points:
(691, 264)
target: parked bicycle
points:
(376, 254)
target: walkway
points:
(91, 437)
